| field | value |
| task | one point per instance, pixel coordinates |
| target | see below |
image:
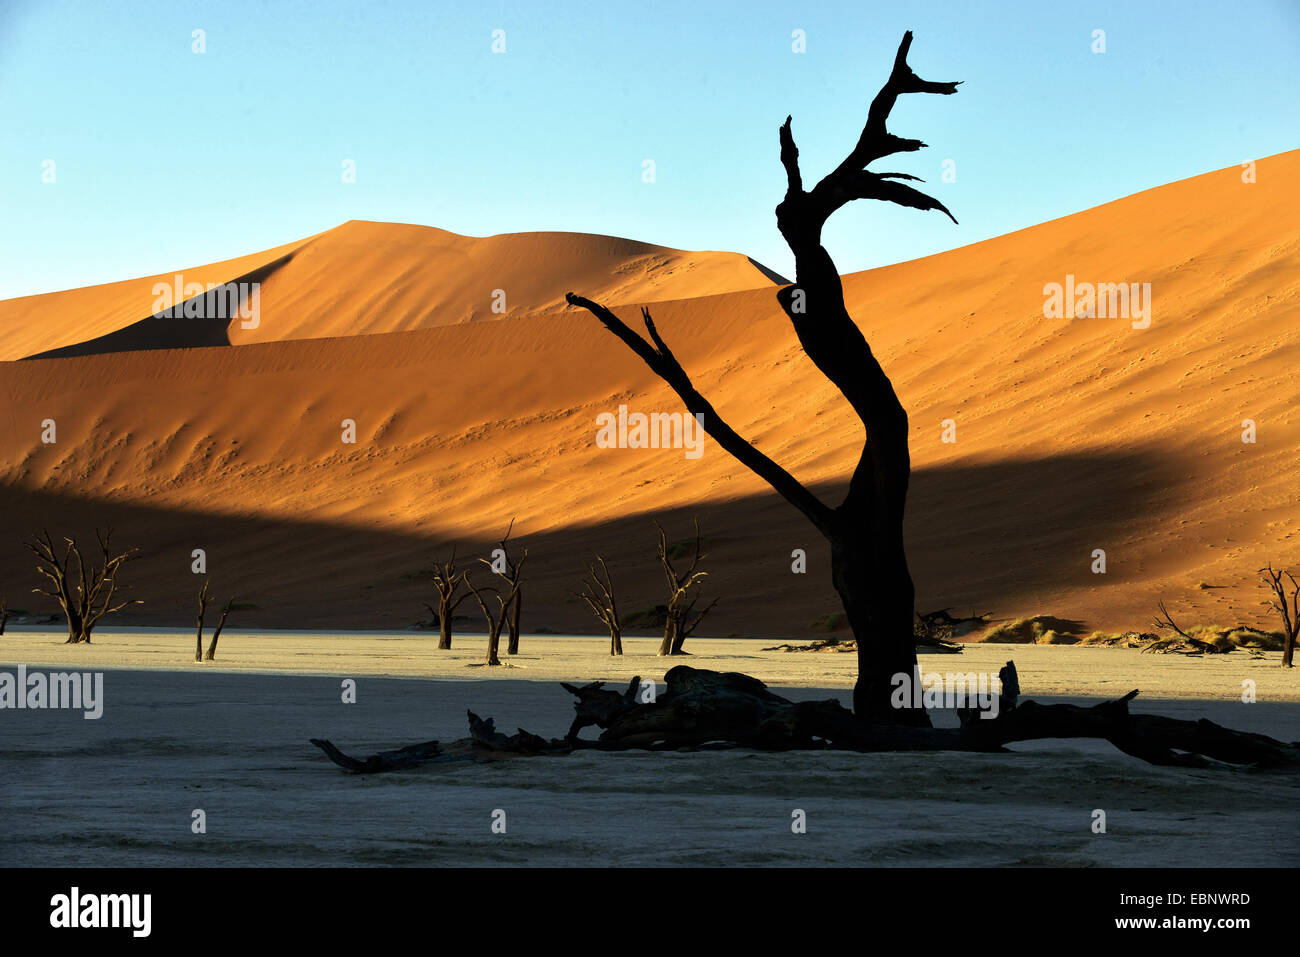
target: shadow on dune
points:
(215, 309)
(979, 536)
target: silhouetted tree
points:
(511, 573)
(1289, 613)
(496, 621)
(447, 581)
(211, 654)
(683, 592)
(598, 593)
(85, 595)
(865, 531)
(203, 607)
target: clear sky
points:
(165, 158)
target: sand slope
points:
(1072, 435)
(364, 277)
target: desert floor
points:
(231, 738)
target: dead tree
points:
(211, 654)
(85, 595)
(510, 572)
(681, 600)
(1290, 613)
(598, 594)
(495, 621)
(688, 620)
(1165, 622)
(203, 607)
(709, 709)
(865, 531)
(447, 580)
(4, 614)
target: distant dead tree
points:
(211, 653)
(85, 595)
(598, 593)
(1290, 613)
(1165, 622)
(865, 531)
(447, 581)
(203, 607)
(687, 621)
(510, 572)
(681, 618)
(221, 623)
(496, 621)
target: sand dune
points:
(364, 277)
(384, 277)
(31, 325)
(1072, 435)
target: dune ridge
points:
(366, 277)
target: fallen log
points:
(407, 757)
(706, 709)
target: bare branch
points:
(664, 364)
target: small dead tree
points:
(447, 581)
(681, 600)
(4, 614)
(221, 623)
(496, 621)
(1287, 608)
(203, 607)
(598, 593)
(510, 571)
(85, 594)
(688, 621)
(1165, 622)
(211, 654)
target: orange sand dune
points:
(1071, 435)
(385, 277)
(30, 325)
(365, 277)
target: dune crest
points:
(364, 278)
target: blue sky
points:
(165, 158)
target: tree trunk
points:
(76, 631)
(512, 646)
(444, 626)
(211, 654)
(615, 641)
(1288, 651)
(876, 590)
(494, 643)
(670, 636)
